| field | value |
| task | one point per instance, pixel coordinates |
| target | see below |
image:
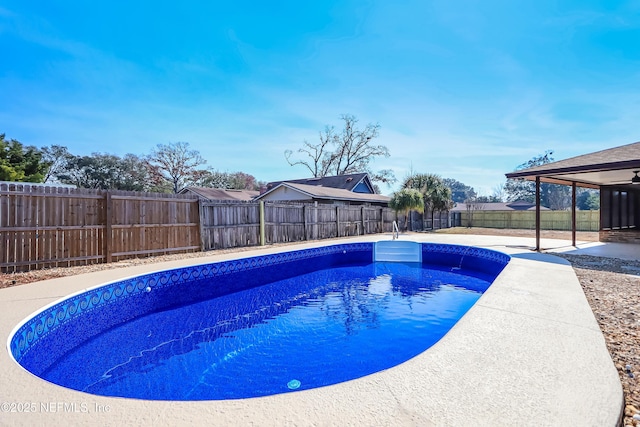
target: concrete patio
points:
(528, 353)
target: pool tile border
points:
(52, 317)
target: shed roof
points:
(328, 193)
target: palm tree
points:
(406, 200)
(435, 194)
(440, 200)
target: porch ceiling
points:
(587, 179)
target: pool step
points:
(397, 251)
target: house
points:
(519, 205)
(352, 189)
(220, 194)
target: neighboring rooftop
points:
(221, 193)
(519, 205)
(291, 191)
(355, 182)
(40, 184)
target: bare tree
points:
(559, 197)
(499, 193)
(176, 163)
(350, 151)
(472, 204)
(56, 156)
(320, 157)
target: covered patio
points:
(614, 172)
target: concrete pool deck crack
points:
(44, 298)
(518, 313)
(407, 417)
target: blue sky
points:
(467, 90)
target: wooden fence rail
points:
(229, 225)
(549, 220)
(49, 226)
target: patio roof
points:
(614, 166)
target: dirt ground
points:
(584, 236)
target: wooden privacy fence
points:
(417, 221)
(47, 226)
(229, 225)
(549, 220)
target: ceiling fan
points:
(634, 180)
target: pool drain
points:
(293, 384)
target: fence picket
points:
(46, 226)
(549, 220)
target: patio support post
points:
(573, 213)
(537, 213)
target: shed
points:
(290, 191)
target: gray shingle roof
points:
(344, 182)
(608, 158)
(337, 193)
(613, 166)
(328, 193)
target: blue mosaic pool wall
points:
(33, 349)
(468, 258)
(87, 314)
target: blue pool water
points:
(333, 318)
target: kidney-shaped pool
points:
(254, 326)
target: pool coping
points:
(529, 352)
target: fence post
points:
(364, 231)
(107, 226)
(304, 221)
(337, 221)
(314, 229)
(262, 228)
(201, 225)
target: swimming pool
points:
(257, 326)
